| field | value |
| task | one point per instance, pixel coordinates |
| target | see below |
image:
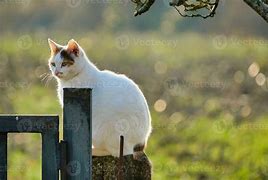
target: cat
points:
(118, 105)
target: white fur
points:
(118, 105)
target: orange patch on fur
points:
(56, 52)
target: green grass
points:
(209, 148)
(209, 138)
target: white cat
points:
(118, 105)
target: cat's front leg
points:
(60, 95)
(99, 152)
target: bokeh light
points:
(260, 79)
(245, 111)
(239, 77)
(160, 105)
(253, 69)
(160, 67)
(176, 117)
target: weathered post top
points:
(77, 132)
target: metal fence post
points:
(3, 156)
(77, 132)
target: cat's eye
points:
(53, 64)
(63, 64)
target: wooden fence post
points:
(77, 133)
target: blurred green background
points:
(205, 80)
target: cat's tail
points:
(138, 151)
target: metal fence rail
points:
(48, 126)
(72, 156)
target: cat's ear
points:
(73, 47)
(54, 47)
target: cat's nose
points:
(57, 73)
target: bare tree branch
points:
(260, 6)
(142, 7)
(194, 6)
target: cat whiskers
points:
(46, 77)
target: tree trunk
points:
(260, 6)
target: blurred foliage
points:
(205, 81)
(207, 102)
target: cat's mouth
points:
(59, 76)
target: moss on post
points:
(106, 168)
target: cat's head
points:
(65, 62)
